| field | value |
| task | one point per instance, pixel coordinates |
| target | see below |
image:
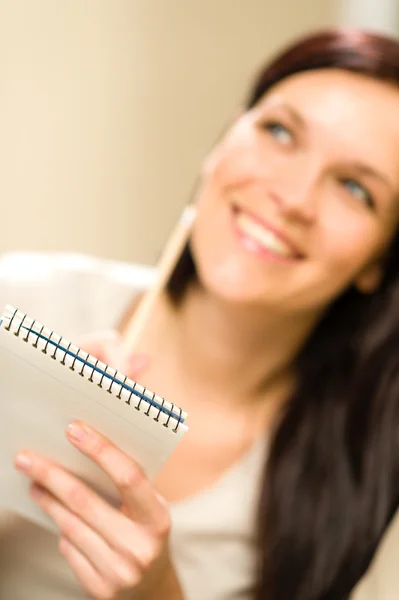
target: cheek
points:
(348, 243)
(235, 163)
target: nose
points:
(296, 190)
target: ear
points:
(369, 280)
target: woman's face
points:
(300, 198)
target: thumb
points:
(118, 357)
(108, 347)
(136, 364)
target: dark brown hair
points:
(331, 483)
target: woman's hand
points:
(108, 347)
(115, 553)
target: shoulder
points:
(71, 292)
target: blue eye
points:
(358, 191)
(278, 131)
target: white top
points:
(212, 541)
(211, 544)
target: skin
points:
(296, 168)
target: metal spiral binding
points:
(178, 422)
(147, 412)
(56, 347)
(100, 384)
(29, 331)
(113, 380)
(130, 395)
(72, 367)
(38, 337)
(47, 343)
(159, 411)
(119, 394)
(85, 364)
(143, 395)
(11, 320)
(168, 419)
(20, 325)
(94, 370)
(137, 407)
(66, 354)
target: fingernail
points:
(23, 462)
(77, 432)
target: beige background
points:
(108, 106)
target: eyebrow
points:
(296, 116)
(367, 170)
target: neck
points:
(239, 351)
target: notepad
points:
(45, 383)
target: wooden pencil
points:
(166, 264)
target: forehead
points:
(352, 108)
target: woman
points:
(278, 333)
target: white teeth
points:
(263, 236)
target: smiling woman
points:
(280, 320)
(301, 179)
(298, 223)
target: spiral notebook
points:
(45, 383)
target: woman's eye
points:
(358, 191)
(278, 131)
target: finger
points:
(137, 492)
(107, 346)
(104, 345)
(111, 566)
(89, 579)
(111, 524)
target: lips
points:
(264, 236)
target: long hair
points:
(331, 481)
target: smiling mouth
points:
(261, 237)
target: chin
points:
(232, 284)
